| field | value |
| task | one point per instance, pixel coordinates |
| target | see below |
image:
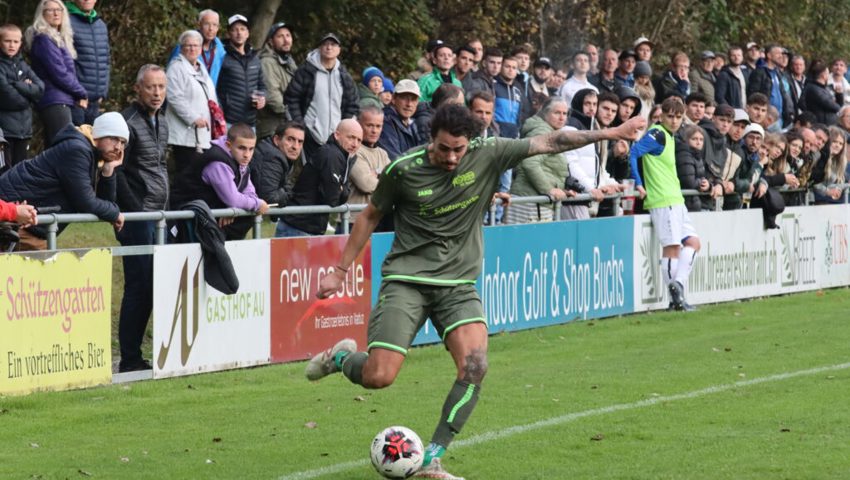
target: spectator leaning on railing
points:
(75, 174)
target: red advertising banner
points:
(301, 324)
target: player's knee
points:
(475, 367)
(379, 377)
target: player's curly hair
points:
(456, 120)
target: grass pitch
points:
(652, 396)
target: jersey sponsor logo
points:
(425, 193)
(464, 180)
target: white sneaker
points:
(435, 470)
(323, 364)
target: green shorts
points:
(403, 308)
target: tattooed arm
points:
(562, 140)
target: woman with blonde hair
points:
(51, 45)
(830, 190)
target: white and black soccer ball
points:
(397, 452)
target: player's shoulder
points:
(658, 135)
(410, 159)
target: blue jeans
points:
(137, 303)
(283, 229)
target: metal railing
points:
(52, 220)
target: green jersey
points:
(438, 214)
(658, 149)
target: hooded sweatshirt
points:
(325, 110)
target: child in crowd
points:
(20, 88)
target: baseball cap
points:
(741, 116)
(407, 86)
(626, 54)
(237, 18)
(641, 41)
(754, 128)
(752, 45)
(329, 36)
(277, 26)
(708, 54)
(543, 61)
(434, 45)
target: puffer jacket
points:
(691, 169)
(64, 175)
(821, 101)
(299, 94)
(240, 76)
(143, 178)
(17, 96)
(277, 73)
(538, 174)
(91, 40)
(269, 172)
(55, 67)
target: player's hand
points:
(641, 191)
(330, 283)
(504, 196)
(631, 129)
(26, 215)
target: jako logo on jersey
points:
(464, 180)
(424, 193)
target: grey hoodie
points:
(325, 111)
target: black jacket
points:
(17, 96)
(189, 185)
(143, 178)
(690, 169)
(240, 76)
(727, 90)
(91, 40)
(395, 137)
(218, 268)
(822, 102)
(300, 92)
(759, 82)
(324, 181)
(269, 172)
(64, 175)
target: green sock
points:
(433, 451)
(456, 410)
(351, 365)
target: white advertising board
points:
(199, 329)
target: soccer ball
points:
(397, 452)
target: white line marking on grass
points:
(570, 417)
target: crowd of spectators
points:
(254, 129)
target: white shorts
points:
(672, 224)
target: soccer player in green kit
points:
(663, 198)
(438, 195)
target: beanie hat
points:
(388, 85)
(642, 69)
(110, 124)
(371, 73)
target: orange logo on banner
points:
(301, 324)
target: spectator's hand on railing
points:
(556, 194)
(610, 189)
(760, 191)
(704, 185)
(505, 197)
(263, 207)
(202, 123)
(596, 194)
(26, 215)
(728, 187)
(791, 180)
(225, 221)
(717, 191)
(119, 222)
(834, 193)
(330, 283)
(641, 191)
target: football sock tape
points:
(459, 404)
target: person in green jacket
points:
(544, 174)
(371, 87)
(443, 59)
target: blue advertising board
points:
(545, 274)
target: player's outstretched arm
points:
(365, 225)
(563, 140)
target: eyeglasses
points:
(51, 11)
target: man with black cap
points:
(321, 93)
(541, 71)
(76, 174)
(703, 78)
(626, 67)
(240, 87)
(278, 69)
(443, 59)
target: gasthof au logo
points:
(650, 285)
(186, 315)
(798, 252)
(464, 180)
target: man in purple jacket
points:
(221, 177)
